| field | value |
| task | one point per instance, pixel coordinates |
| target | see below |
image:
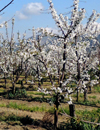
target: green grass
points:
(89, 103)
(2, 90)
(94, 97)
(37, 93)
(3, 105)
(93, 116)
(66, 110)
(32, 109)
(19, 120)
(80, 95)
(97, 88)
(26, 108)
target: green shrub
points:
(19, 93)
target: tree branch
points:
(6, 6)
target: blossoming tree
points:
(57, 64)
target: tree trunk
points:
(26, 74)
(99, 76)
(54, 78)
(39, 84)
(55, 118)
(56, 113)
(5, 80)
(85, 94)
(89, 89)
(77, 95)
(21, 84)
(99, 62)
(72, 113)
(42, 81)
(78, 69)
(13, 88)
(25, 78)
(72, 110)
(13, 83)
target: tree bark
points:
(85, 94)
(89, 89)
(13, 88)
(72, 113)
(72, 110)
(77, 95)
(13, 83)
(56, 113)
(78, 69)
(5, 80)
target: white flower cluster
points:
(44, 90)
(57, 89)
(93, 82)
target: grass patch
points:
(2, 90)
(24, 107)
(66, 110)
(94, 97)
(97, 88)
(3, 105)
(93, 116)
(37, 93)
(13, 119)
(80, 95)
(88, 103)
(33, 109)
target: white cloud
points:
(20, 15)
(29, 10)
(32, 8)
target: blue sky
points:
(28, 13)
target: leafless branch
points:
(6, 6)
